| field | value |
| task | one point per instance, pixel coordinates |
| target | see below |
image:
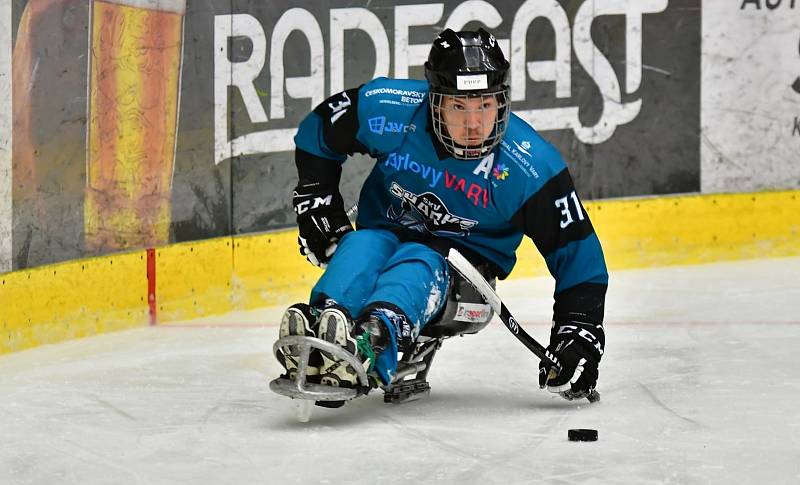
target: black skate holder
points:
(299, 388)
(410, 382)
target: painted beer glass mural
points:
(95, 97)
(134, 78)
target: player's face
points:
(469, 121)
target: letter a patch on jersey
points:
(485, 167)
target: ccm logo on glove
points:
(321, 221)
(577, 347)
(318, 202)
(583, 333)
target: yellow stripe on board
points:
(270, 270)
(691, 229)
(697, 229)
(57, 302)
(193, 279)
(87, 297)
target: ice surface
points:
(699, 383)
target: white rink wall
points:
(750, 91)
(5, 135)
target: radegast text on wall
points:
(613, 84)
(569, 39)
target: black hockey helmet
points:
(467, 65)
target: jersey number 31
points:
(563, 204)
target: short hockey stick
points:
(474, 278)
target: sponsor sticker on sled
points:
(472, 312)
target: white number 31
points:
(566, 212)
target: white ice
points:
(699, 385)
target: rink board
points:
(86, 297)
(58, 302)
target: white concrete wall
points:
(750, 114)
(5, 135)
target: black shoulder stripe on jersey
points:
(541, 217)
(339, 115)
(584, 302)
(313, 169)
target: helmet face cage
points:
(469, 116)
(467, 72)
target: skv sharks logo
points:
(427, 213)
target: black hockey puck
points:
(582, 434)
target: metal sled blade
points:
(315, 392)
(300, 388)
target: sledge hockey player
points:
(454, 168)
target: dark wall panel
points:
(627, 123)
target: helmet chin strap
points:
(468, 153)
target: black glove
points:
(321, 220)
(578, 347)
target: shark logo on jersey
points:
(427, 213)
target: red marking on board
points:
(151, 285)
